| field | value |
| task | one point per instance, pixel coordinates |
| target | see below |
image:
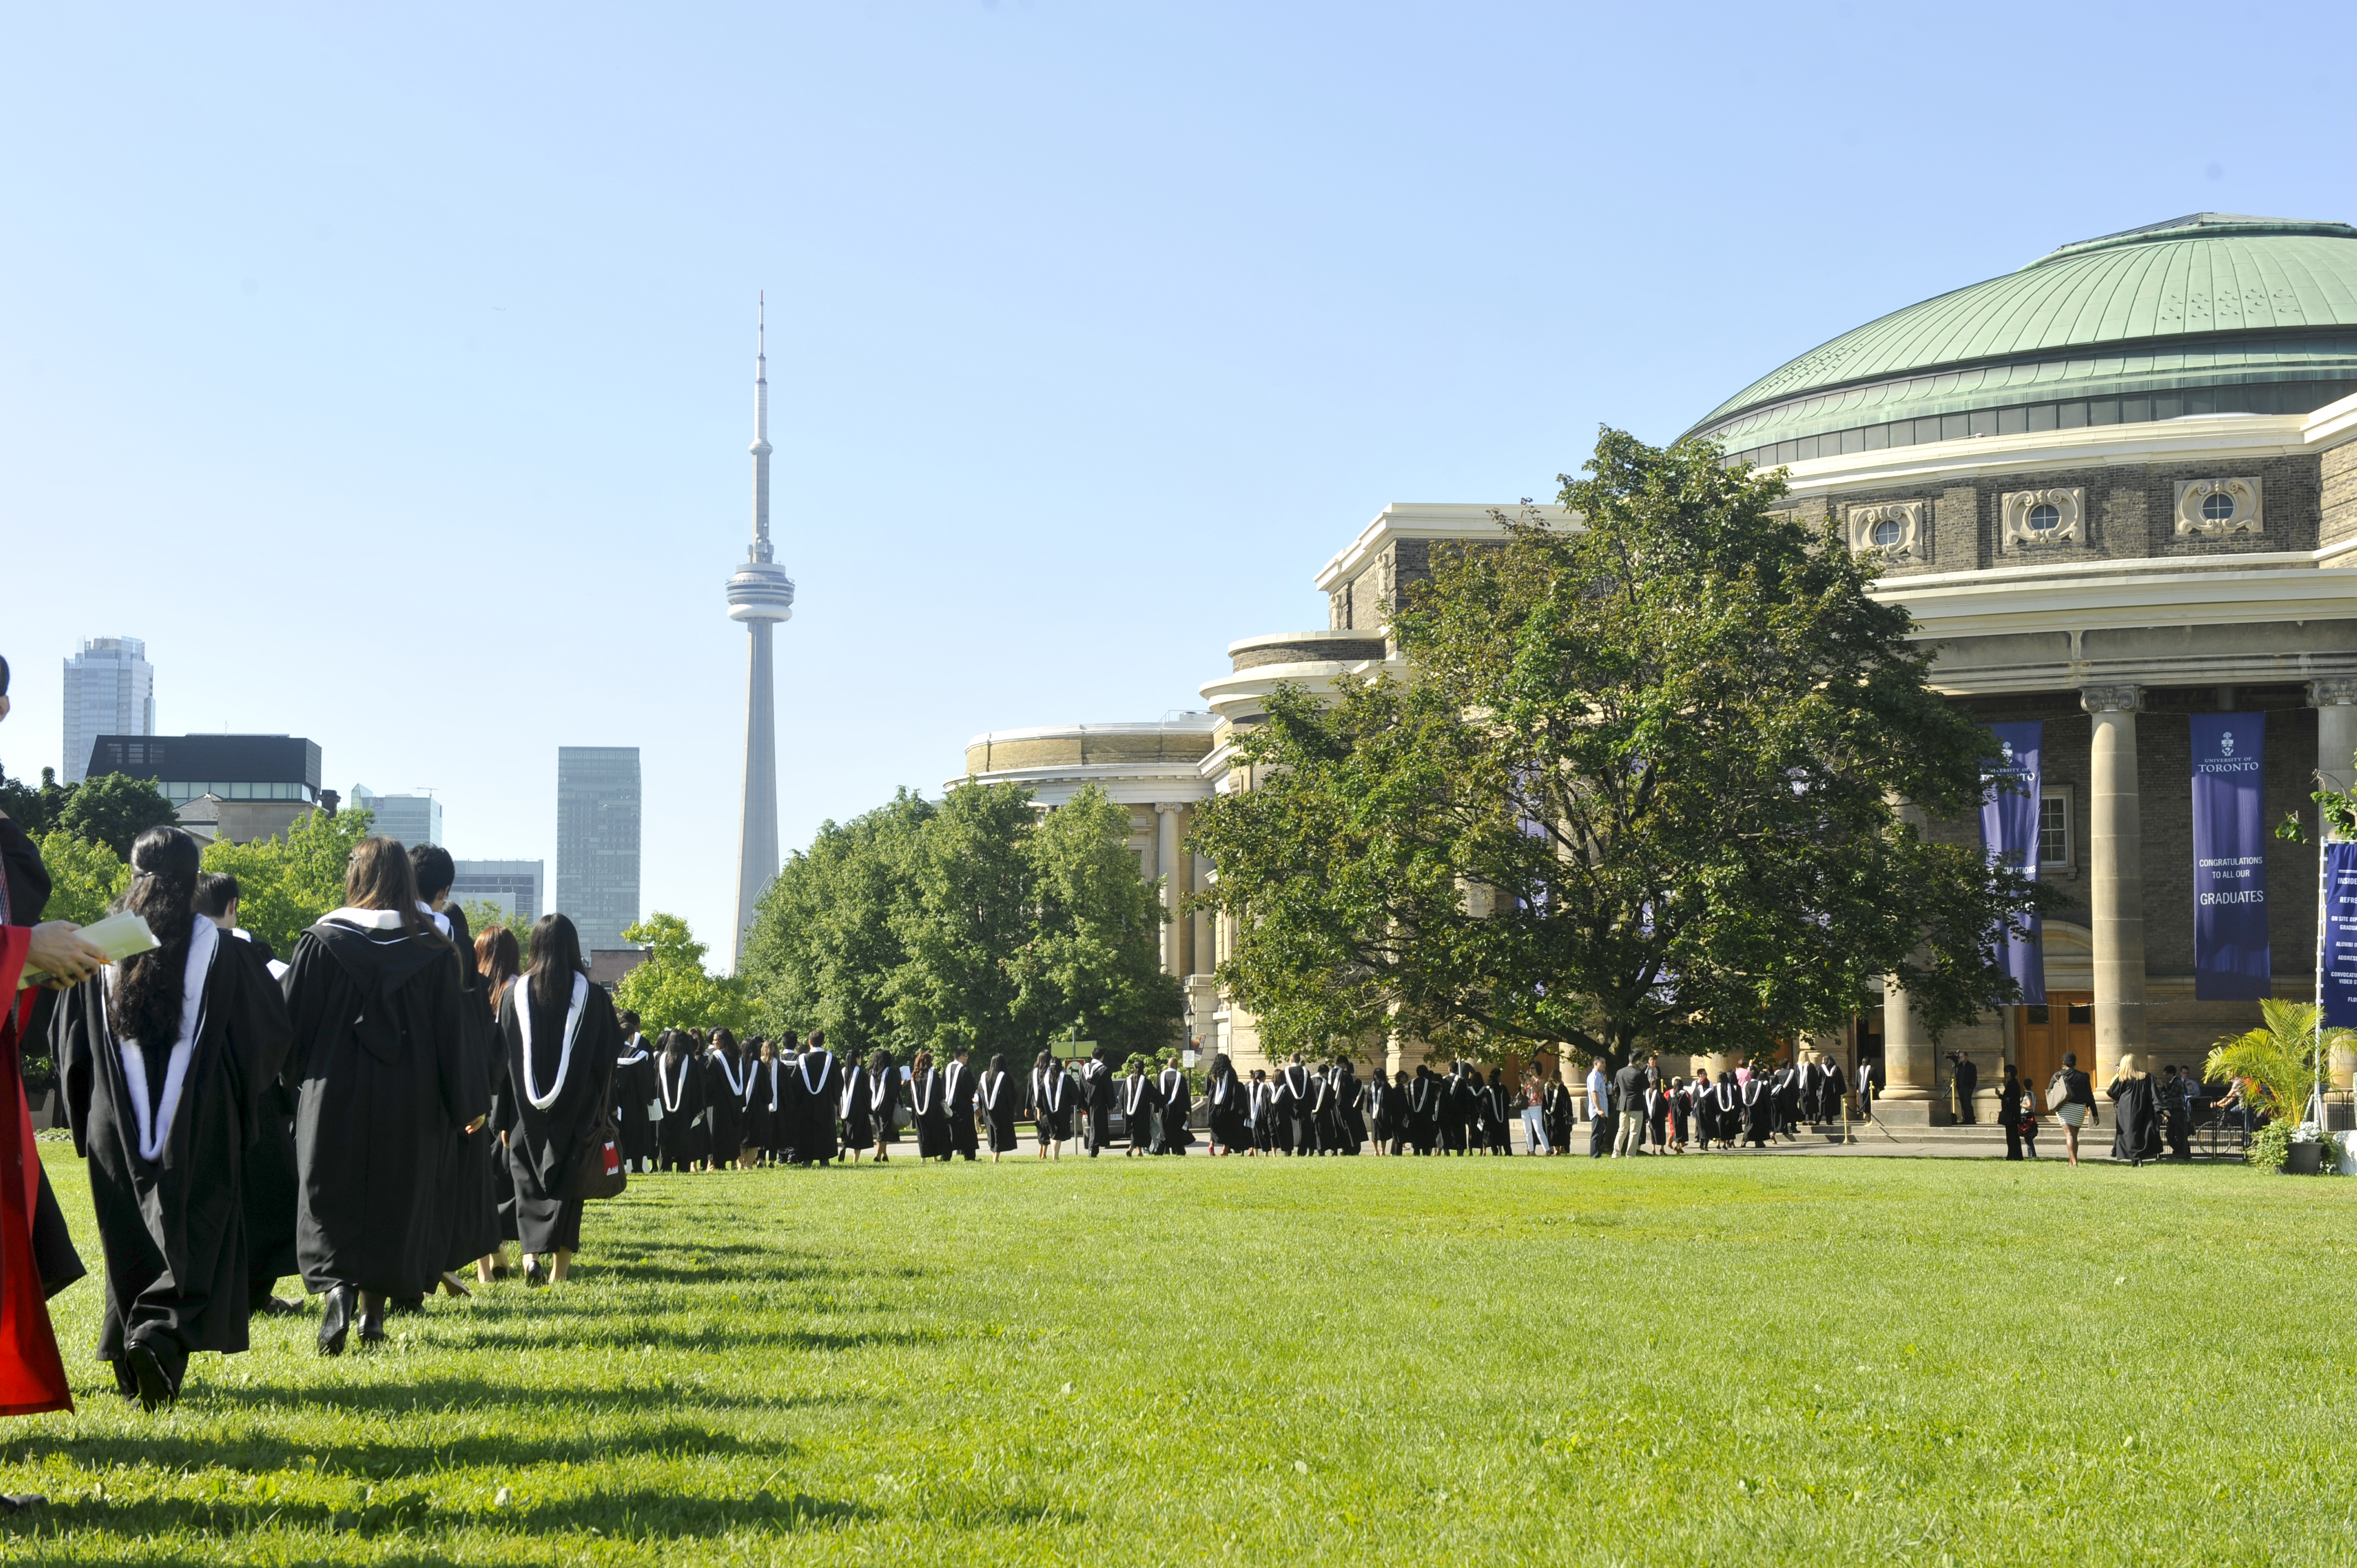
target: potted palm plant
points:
(2276, 1065)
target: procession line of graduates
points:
(391, 1105)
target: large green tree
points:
(34, 808)
(977, 922)
(285, 885)
(824, 947)
(114, 809)
(84, 877)
(1095, 961)
(1638, 785)
(671, 989)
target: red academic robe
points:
(32, 1378)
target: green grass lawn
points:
(1695, 1361)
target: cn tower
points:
(761, 595)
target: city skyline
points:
(1101, 331)
(761, 596)
(598, 814)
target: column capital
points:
(2115, 699)
(2339, 693)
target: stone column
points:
(1166, 862)
(2115, 875)
(1201, 959)
(2335, 702)
(1908, 1073)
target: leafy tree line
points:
(974, 921)
(1640, 788)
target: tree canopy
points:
(973, 922)
(670, 989)
(1639, 783)
(285, 885)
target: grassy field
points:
(1692, 1362)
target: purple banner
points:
(2009, 833)
(2338, 984)
(2231, 958)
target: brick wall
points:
(2338, 494)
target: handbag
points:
(2058, 1090)
(598, 1165)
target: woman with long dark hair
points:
(1001, 1100)
(680, 1139)
(166, 1061)
(1052, 1104)
(724, 1090)
(1229, 1131)
(561, 1039)
(373, 992)
(497, 960)
(930, 1109)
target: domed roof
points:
(2207, 300)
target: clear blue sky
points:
(388, 369)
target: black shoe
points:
(531, 1274)
(156, 1385)
(372, 1326)
(336, 1322)
(274, 1306)
(404, 1305)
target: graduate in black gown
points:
(883, 1101)
(637, 1104)
(469, 1208)
(1264, 1116)
(858, 1122)
(1498, 1114)
(166, 1060)
(1423, 1096)
(1758, 1111)
(958, 1084)
(680, 1140)
(724, 1092)
(561, 1039)
(269, 1173)
(374, 994)
(1137, 1107)
(2136, 1119)
(1230, 1130)
(1556, 1105)
(1295, 1104)
(1051, 1095)
(497, 960)
(764, 1104)
(814, 1094)
(1001, 1097)
(1175, 1103)
(1097, 1079)
(929, 1109)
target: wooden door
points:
(2067, 1022)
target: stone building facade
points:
(2116, 490)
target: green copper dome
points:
(2213, 313)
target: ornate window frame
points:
(2014, 532)
(1860, 521)
(2244, 491)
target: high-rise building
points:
(110, 690)
(514, 885)
(761, 595)
(597, 841)
(412, 819)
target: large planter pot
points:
(2303, 1159)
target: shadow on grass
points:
(462, 1394)
(375, 1458)
(597, 1334)
(619, 1515)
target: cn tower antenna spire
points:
(761, 596)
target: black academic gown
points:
(2136, 1119)
(723, 1095)
(958, 1087)
(1229, 1129)
(765, 1107)
(680, 1137)
(173, 1226)
(928, 1112)
(471, 1205)
(1052, 1104)
(271, 1180)
(1177, 1102)
(1001, 1097)
(1138, 1109)
(811, 1096)
(544, 1141)
(858, 1121)
(1759, 1108)
(634, 1092)
(378, 1069)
